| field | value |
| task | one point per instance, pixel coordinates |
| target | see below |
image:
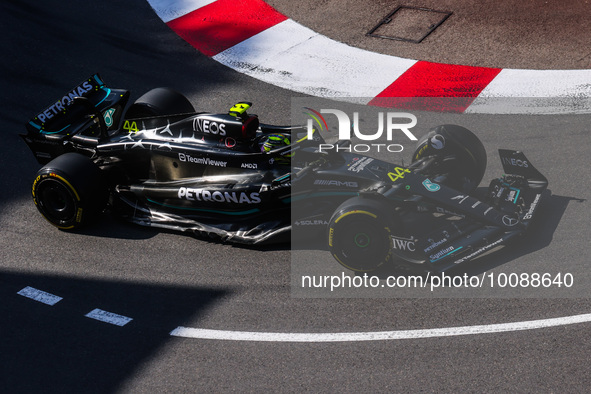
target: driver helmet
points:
(275, 141)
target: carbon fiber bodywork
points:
(208, 174)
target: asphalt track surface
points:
(163, 280)
(543, 35)
(257, 40)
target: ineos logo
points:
(208, 126)
(515, 162)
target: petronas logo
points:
(108, 115)
(432, 187)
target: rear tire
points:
(460, 155)
(359, 235)
(69, 191)
(159, 102)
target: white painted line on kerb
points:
(294, 57)
(109, 317)
(168, 10)
(200, 333)
(40, 296)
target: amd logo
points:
(252, 166)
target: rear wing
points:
(89, 111)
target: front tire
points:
(359, 236)
(69, 191)
(460, 156)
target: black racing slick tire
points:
(460, 156)
(69, 191)
(159, 102)
(359, 236)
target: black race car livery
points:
(229, 177)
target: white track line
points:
(200, 333)
(108, 317)
(40, 296)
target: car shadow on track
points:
(538, 237)
(58, 349)
(109, 225)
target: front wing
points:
(479, 225)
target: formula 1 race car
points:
(425, 215)
(159, 163)
(229, 177)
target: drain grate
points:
(410, 24)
